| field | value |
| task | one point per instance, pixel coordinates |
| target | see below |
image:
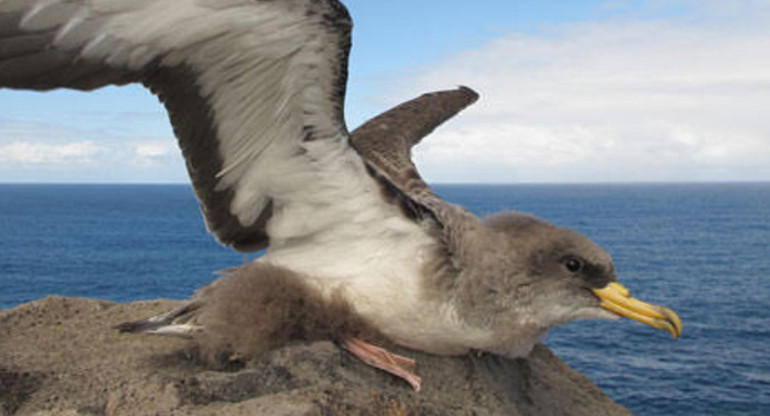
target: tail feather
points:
(177, 322)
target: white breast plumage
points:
(343, 236)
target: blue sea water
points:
(701, 249)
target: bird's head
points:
(558, 275)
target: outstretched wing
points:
(385, 143)
(244, 81)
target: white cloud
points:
(58, 152)
(148, 151)
(32, 153)
(620, 100)
(152, 155)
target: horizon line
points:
(522, 183)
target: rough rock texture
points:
(60, 356)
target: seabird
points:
(358, 248)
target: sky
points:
(571, 91)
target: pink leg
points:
(383, 359)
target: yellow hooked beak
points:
(616, 298)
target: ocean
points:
(701, 249)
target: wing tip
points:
(470, 93)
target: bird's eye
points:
(573, 264)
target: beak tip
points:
(616, 298)
(673, 320)
(676, 333)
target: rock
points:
(61, 356)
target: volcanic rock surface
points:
(61, 356)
